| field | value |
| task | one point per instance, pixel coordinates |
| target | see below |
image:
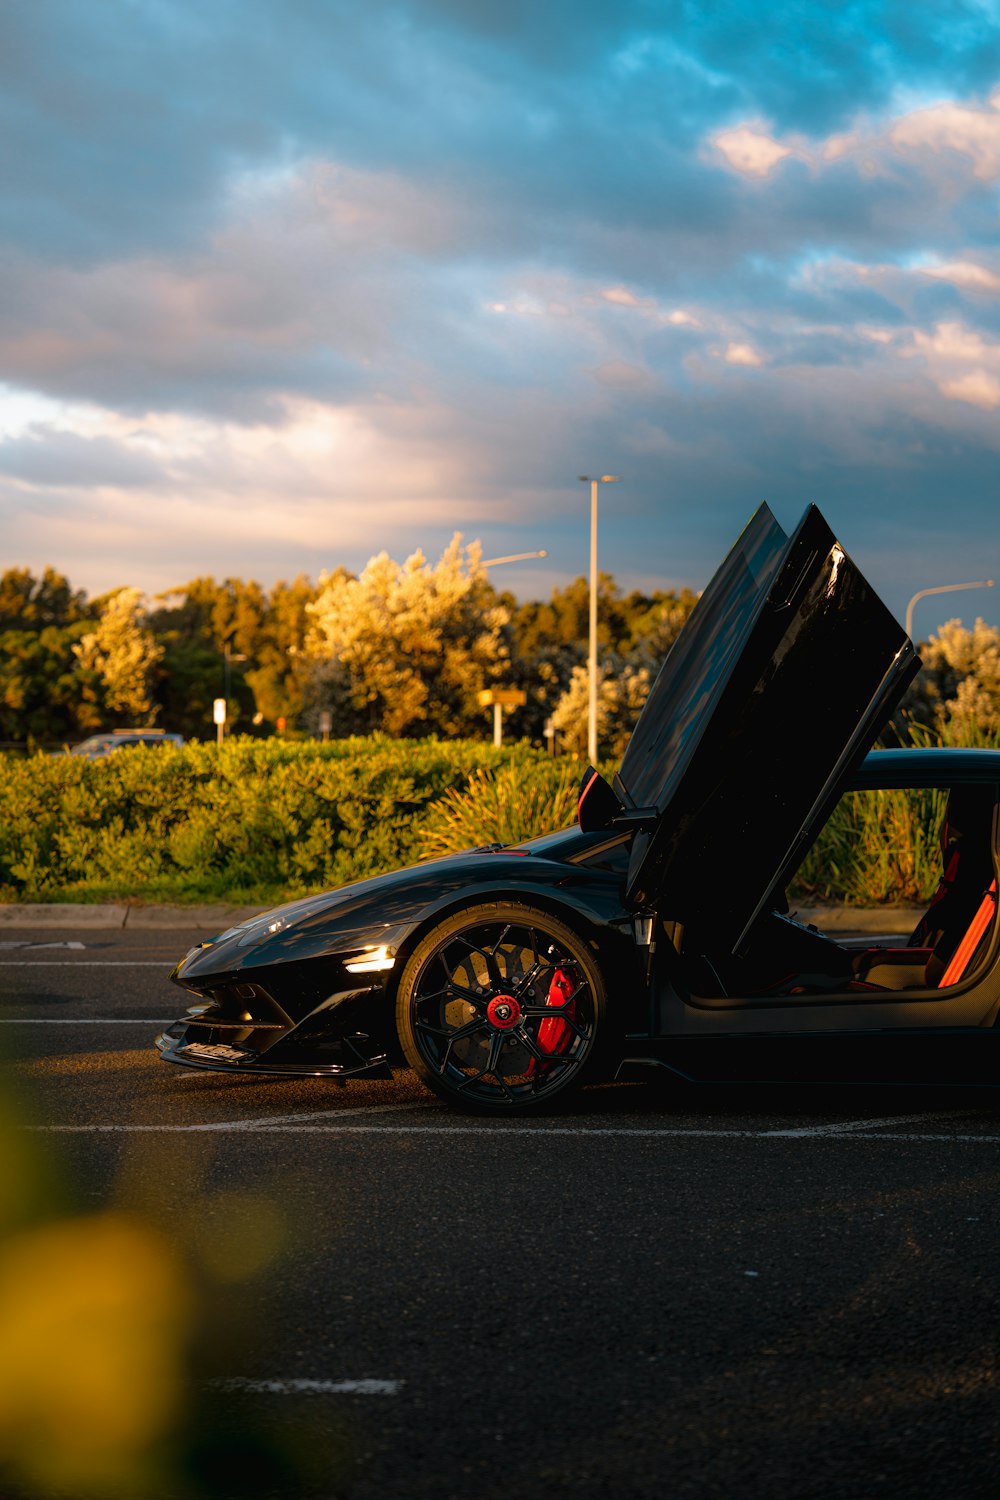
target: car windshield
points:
(97, 742)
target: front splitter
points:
(217, 1062)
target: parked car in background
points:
(105, 743)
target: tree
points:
(622, 689)
(549, 650)
(281, 672)
(264, 634)
(41, 619)
(959, 680)
(120, 655)
(28, 603)
(406, 648)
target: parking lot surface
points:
(666, 1292)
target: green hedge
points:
(257, 820)
(268, 820)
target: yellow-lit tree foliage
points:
(406, 648)
(122, 653)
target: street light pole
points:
(229, 656)
(944, 588)
(592, 654)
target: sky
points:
(284, 283)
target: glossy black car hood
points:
(376, 909)
(784, 674)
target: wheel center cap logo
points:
(503, 1012)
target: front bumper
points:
(258, 1026)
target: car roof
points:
(934, 766)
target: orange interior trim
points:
(963, 953)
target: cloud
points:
(742, 354)
(49, 456)
(285, 285)
(750, 151)
(978, 388)
(964, 365)
(948, 127)
(964, 274)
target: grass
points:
(878, 848)
(502, 806)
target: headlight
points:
(371, 961)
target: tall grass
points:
(502, 806)
(878, 847)
(883, 847)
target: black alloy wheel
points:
(501, 1009)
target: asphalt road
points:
(717, 1294)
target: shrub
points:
(253, 821)
(268, 820)
(503, 806)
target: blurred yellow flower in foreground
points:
(237, 1234)
(95, 1315)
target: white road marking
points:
(85, 1021)
(42, 945)
(842, 1127)
(309, 1387)
(324, 1114)
(266, 1122)
(523, 1132)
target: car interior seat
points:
(945, 942)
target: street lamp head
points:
(492, 562)
(942, 588)
(598, 479)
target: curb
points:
(878, 919)
(79, 914)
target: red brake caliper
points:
(553, 1033)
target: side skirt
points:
(967, 1055)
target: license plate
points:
(220, 1051)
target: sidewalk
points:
(79, 914)
(842, 919)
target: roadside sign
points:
(498, 699)
(505, 697)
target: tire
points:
(502, 1009)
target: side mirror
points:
(598, 806)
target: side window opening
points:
(927, 851)
(936, 853)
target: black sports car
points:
(656, 930)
